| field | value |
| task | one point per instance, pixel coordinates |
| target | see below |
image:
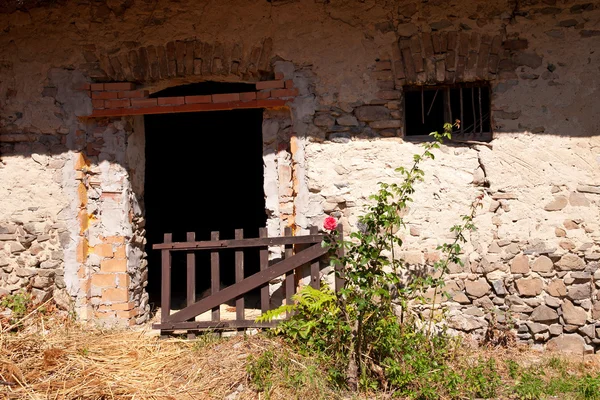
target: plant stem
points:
(453, 252)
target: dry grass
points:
(70, 361)
(55, 358)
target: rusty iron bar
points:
(462, 125)
(473, 106)
(480, 113)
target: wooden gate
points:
(299, 252)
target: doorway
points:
(204, 173)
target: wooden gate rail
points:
(309, 251)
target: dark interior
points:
(204, 88)
(204, 173)
(432, 103)
(473, 114)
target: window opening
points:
(427, 109)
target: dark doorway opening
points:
(204, 88)
(204, 173)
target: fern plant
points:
(315, 319)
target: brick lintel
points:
(169, 109)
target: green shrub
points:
(260, 369)
(588, 387)
(366, 335)
(281, 368)
(482, 379)
(529, 386)
(19, 303)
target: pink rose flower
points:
(330, 223)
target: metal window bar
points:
(462, 125)
(479, 114)
(473, 106)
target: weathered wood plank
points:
(238, 243)
(290, 285)
(210, 325)
(191, 272)
(315, 278)
(264, 264)
(215, 277)
(191, 277)
(165, 298)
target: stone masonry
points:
(72, 168)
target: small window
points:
(428, 108)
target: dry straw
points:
(70, 361)
(52, 357)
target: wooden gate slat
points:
(264, 264)
(249, 283)
(191, 272)
(171, 326)
(191, 277)
(315, 277)
(289, 276)
(215, 278)
(165, 299)
(239, 276)
(234, 244)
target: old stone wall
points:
(39, 186)
(71, 188)
(534, 259)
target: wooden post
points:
(239, 276)
(289, 276)
(215, 276)
(191, 277)
(315, 277)
(264, 264)
(191, 271)
(165, 289)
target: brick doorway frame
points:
(113, 269)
